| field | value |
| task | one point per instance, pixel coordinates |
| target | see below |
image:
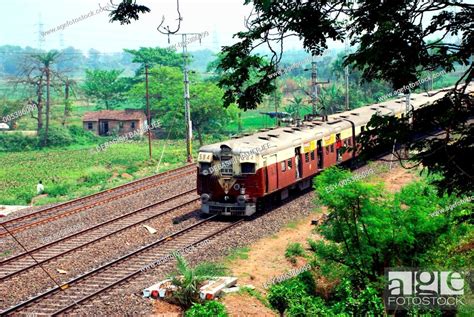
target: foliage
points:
(57, 136)
(154, 56)
(104, 85)
(365, 232)
(72, 172)
(127, 10)
(15, 142)
(294, 249)
(208, 309)
(296, 296)
(188, 280)
(166, 99)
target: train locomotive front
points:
(230, 179)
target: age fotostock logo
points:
(423, 289)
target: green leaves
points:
(104, 85)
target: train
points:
(239, 176)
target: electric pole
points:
(148, 110)
(276, 101)
(346, 71)
(187, 106)
(314, 90)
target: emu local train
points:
(238, 176)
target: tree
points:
(104, 85)
(166, 100)
(152, 56)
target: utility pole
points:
(346, 71)
(275, 100)
(314, 90)
(148, 110)
(187, 106)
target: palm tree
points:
(45, 61)
(188, 280)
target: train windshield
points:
(226, 165)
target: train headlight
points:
(242, 191)
(205, 198)
(241, 199)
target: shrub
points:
(208, 309)
(57, 136)
(16, 142)
(294, 249)
(187, 280)
(295, 296)
(82, 136)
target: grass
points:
(292, 224)
(81, 170)
(238, 254)
(294, 249)
(255, 293)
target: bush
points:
(208, 309)
(294, 249)
(17, 142)
(82, 136)
(296, 296)
(57, 136)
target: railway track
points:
(70, 295)
(80, 204)
(26, 261)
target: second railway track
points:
(25, 261)
(72, 294)
(77, 205)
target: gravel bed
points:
(127, 300)
(95, 255)
(48, 232)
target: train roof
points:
(267, 141)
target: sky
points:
(20, 22)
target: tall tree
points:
(104, 85)
(152, 56)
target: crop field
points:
(70, 173)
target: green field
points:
(70, 173)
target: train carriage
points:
(237, 176)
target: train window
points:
(283, 166)
(349, 142)
(204, 168)
(312, 155)
(248, 168)
(226, 165)
(289, 164)
(306, 157)
(332, 148)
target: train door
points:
(271, 176)
(338, 148)
(298, 160)
(320, 154)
